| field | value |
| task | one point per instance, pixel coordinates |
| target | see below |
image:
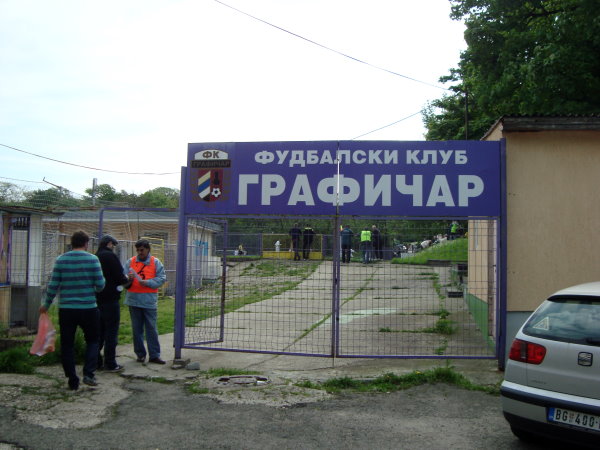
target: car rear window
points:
(575, 320)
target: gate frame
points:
(335, 220)
(500, 280)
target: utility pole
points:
(466, 114)
(94, 187)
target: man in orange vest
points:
(146, 274)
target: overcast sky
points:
(126, 85)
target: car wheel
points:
(523, 435)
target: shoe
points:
(90, 381)
(156, 361)
(117, 368)
(74, 383)
(141, 359)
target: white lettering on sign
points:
(431, 157)
(415, 189)
(376, 190)
(469, 186)
(303, 158)
(301, 192)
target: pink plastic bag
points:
(46, 337)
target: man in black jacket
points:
(108, 303)
(295, 234)
(307, 239)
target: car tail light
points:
(527, 352)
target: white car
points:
(552, 379)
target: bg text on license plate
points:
(587, 421)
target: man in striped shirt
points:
(76, 277)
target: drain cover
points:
(243, 380)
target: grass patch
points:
(391, 382)
(208, 303)
(443, 313)
(224, 372)
(273, 269)
(456, 250)
(241, 258)
(442, 326)
(441, 350)
(18, 360)
(160, 380)
(195, 389)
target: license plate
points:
(577, 419)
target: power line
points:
(331, 49)
(24, 181)
(87, 167)
(388, 125)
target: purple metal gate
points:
(402, 302)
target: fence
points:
(31, 242)
(420, 293)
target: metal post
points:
(180, 286)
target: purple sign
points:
(421, 178)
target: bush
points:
(18, 359)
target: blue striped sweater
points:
(77, 276)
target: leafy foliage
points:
(10, 192)
(57, 198)
(16, 360)
(47, 198)
(534, 57)
(161, 197)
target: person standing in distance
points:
(146, 274)
(376, 243)
(295, 234)
(308, 236)
(346, 235)
(365, 244)
(108, 303)
(77, 276)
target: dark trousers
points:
(306, 250)
(377, 250)
(296, 247)
(88, 320)
(346, 253)
(365, 247)
(110, 316)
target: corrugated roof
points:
(516, 123)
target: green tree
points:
(104, 192)
(161, 197)
(523, 57)
(51, 198)
(10, 194)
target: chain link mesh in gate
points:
(412, 298)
